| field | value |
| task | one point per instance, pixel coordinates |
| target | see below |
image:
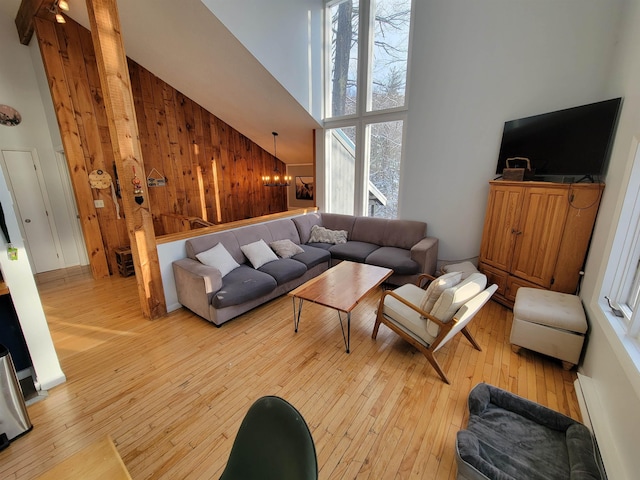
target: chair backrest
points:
(466, 312)
(273, 442)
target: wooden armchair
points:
(455, 307)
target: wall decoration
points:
(156, 180)
(303, 171)
(304, 188)
(99, 179)
(9, 116)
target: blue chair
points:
(273, 442)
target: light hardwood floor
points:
(172, 392)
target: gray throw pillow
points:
(285, 248)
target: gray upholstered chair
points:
(511, 438)
(429, 323)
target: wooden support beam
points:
(24, 18)
(123, 130)
(65, 114)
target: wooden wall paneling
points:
(184, 165)
(215, 168)
(172, 188)
(77, 68)
(113, 228)
(161, 162)
(199, 116)
(186, 120)
(207, 165)
(226, 179)
(148, 132)
(175, 183)
(72, 144)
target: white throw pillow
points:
(258, 253)
(324, 235)
(285, 248)
(219, 258)
(436, 287)
(453, 298)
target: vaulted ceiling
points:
(184, 44)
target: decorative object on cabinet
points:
(536, 234)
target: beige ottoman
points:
(551, 323)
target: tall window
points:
(366, 104)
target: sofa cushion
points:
(398, 259)
(258, 253)
(284, 229)
(243, 285)
(219, 258)
(313, 256)
(338, 221)
(388, 233)
(304, 223)
(355, 251)
(323, 246)
(196, 245)
(285, 248)
(284, 269)
(324, 235)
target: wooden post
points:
(123, 130)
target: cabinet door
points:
(503, 213)
(544, 211)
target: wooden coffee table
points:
(341, 287)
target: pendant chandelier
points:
(275, 179)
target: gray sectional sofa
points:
(401, 245)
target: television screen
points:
(574, 141)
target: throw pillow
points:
(436, 287)
(454, 297)
(324, 235)
(258, 253)
(285, 248)
(219, 258)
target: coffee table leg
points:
(296, 318)
(347, 339)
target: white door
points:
(30, 202)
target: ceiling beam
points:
(24, 18)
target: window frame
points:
(363, 117)
(623, 263)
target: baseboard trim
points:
(591, 409)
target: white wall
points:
(286, 37)
(614, 399)
(475, 65)
(18, 88)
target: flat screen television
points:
(575, 141)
